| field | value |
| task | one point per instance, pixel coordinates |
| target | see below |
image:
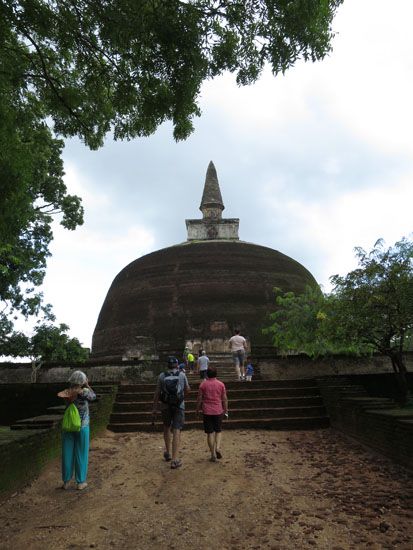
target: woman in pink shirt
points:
(212, 400)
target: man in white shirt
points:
(238, 346)
(203, 362)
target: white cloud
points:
(328, 230)
(365, 85)
(77, 184)
(84, 262)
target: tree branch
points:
(50, 80)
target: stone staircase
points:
(276, 405)
(225, 368)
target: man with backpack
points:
(170, 391)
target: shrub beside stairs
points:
(260, 404)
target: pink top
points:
(213, 392)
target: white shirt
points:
(203, 362)
(237, 342)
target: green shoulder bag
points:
(71, 419)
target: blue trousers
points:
(75, 454)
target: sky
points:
(314, 163)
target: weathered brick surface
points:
(114, 372)
(180, 292)
(23, 456)
(301, 366)
(375, 422)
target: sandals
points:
(176, 464)
(167, 456)
(218, 453)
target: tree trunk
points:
(400, 371)
(35, 367)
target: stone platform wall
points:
(115, 371)
(301, 366)
(374, 421)
(26, 400)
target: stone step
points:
(243, 391)
(221, 372)
(227, 379)
(37, 422)
(276, 402)
(300, 423)
(262, 412)
(233, 384)
(56, 409)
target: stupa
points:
(197, 292)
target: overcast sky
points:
(313, 163)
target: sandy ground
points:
(286, 490)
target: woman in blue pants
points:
(75, 445)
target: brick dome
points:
(198, 290)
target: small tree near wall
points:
(48, 343)
(369, 309)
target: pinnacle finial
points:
(211, 197)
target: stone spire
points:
(212, 226)
(211, 203)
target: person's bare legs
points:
(242, 364)
(211, 445)
(242, 369)
(167, 435)
(218, 439)
(176, 440)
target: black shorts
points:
(212, 423)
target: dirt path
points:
(286, 490)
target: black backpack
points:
(171, 393)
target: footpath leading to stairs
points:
(272, 490)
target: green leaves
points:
(32, 191)
(48, 343)
(301, 324)
(52, 343)
(378, 296)
(129, 66)
(369, 309)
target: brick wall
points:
(301, 366)
(374, 421)
(19, 401)
(113, 372)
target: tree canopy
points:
(369, 309)
(302, 323)
(127, 66)
(48, 343)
